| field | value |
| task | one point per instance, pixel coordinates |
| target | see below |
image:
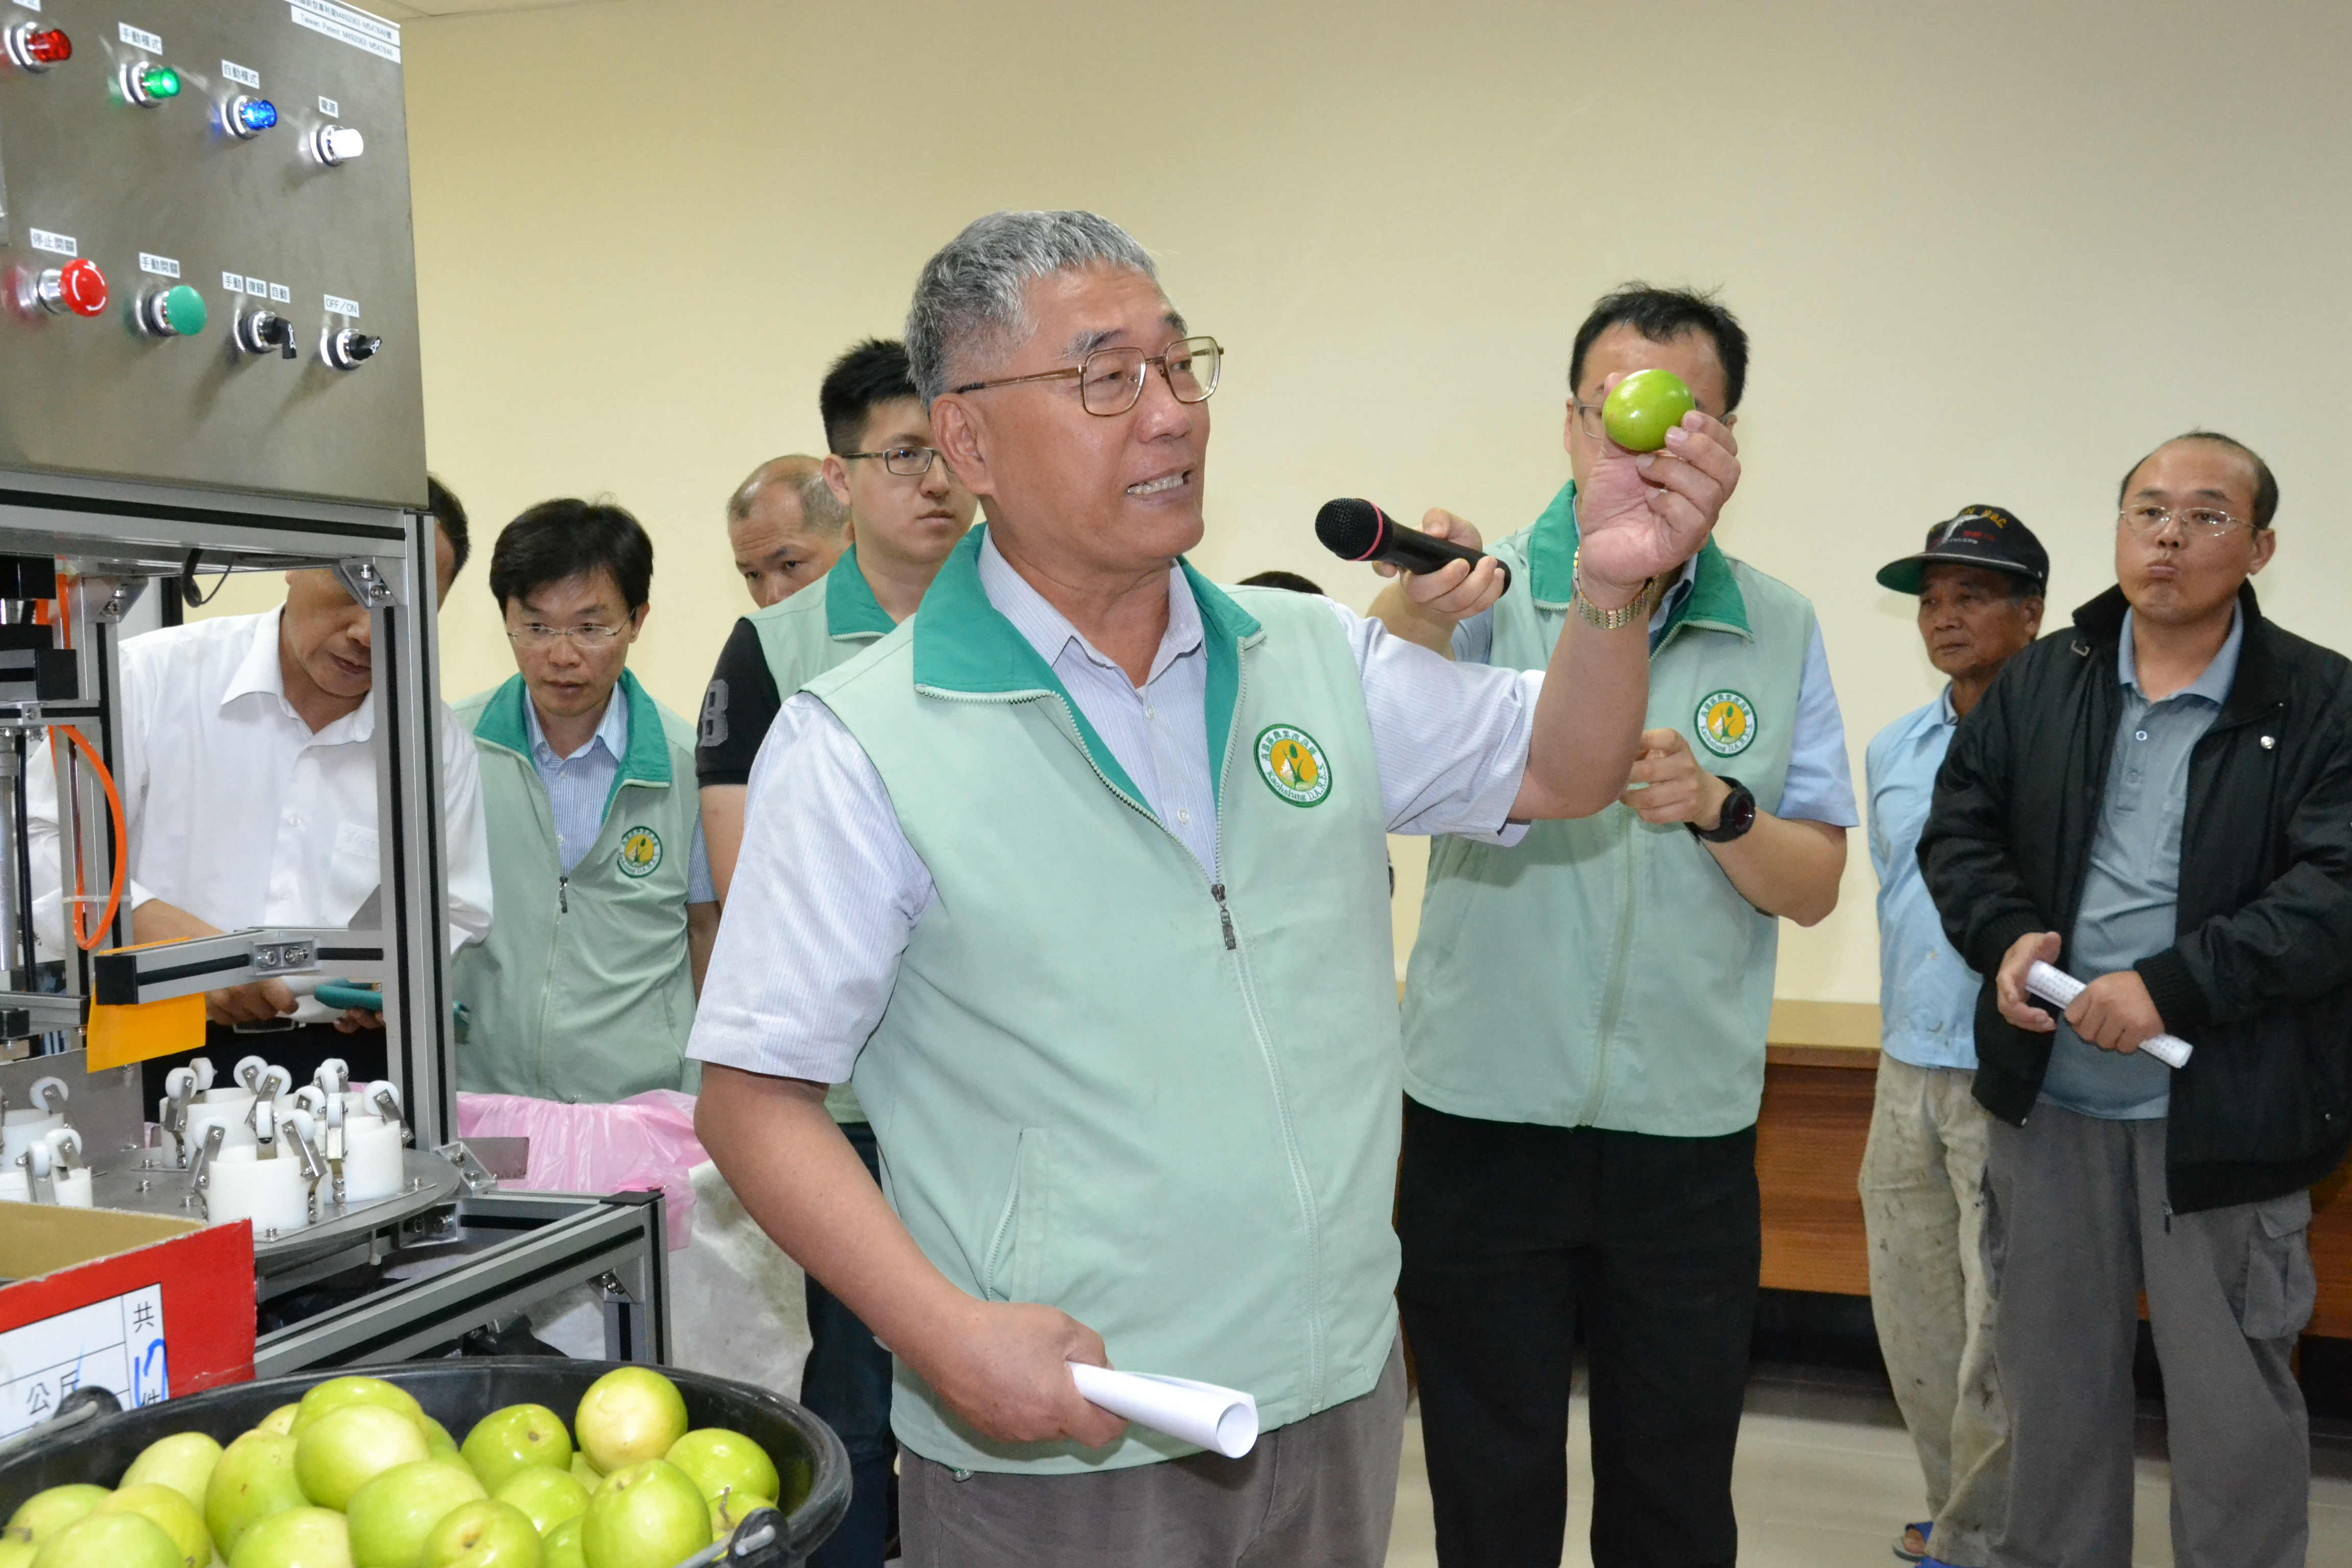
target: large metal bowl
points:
(459, 1392)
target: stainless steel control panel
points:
(207, 274)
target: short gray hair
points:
(976, 288)
(820, 507)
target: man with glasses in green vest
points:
(584, 991)
(1079, 875)
(1585, 1024)
(905, 512)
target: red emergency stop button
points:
(78, 286)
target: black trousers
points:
(1514, 1232)
(847, 1385)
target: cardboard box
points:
(140, 1305)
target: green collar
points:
(1714, 600)
(851, 610)
(503, 724)
(965, 649)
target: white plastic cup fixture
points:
(273, 1194)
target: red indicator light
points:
(30, 47)
(82, 287)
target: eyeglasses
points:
(2196, 521)
(906, 462)
(590, 638)
(1110, 381)
(1588, 419)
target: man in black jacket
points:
(2159, 801)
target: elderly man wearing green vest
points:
(1079, 875)
(1585, 1024)
(584, 990)
(904, 511)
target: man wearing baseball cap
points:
(1980, 582)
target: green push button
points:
(159, 82)
(183, 312)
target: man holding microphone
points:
(1095, 855)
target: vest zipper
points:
(1291, 1154)
(1614, 998)
(564, 892)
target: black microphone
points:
(1356, 530)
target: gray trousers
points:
(2076, 1225)
(1923, 1205)
(1318, 1493)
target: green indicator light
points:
(160, 82)
(183, 309)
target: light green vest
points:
(1605, 972)
(825, 624)
(1167, 1107)
(584, 991)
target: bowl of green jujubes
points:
(452, 1464)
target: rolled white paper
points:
(2058, 987)
(1221, 1420)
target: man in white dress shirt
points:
(247, 776)
(1079, 876)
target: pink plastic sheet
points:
(637, 1145)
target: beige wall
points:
(1986, 253)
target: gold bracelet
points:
(1593, 614)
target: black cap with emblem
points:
(1989, 537)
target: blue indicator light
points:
(256, 115)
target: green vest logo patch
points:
(641, 852)
(1726, 722)
(1292, 764)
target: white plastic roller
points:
(22, 1128)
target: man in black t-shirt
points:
(906, 513)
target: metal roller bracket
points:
(370, 584)
(471, 1171)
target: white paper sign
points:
(243, 76)
(138, 37)
(55, 244)
(357, 28)
(339, 306)
(117, 1345)
(161, 266)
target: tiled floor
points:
(1825, 1477)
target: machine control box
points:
(206, 270)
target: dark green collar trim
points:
(1226, 629)
(500, 721)
(648, 759)
(503, 724)
(965, 646)
(1715, 599)
(851, 610)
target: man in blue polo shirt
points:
(584, 991)
(1980, 579)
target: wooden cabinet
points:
(1820, 1070)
